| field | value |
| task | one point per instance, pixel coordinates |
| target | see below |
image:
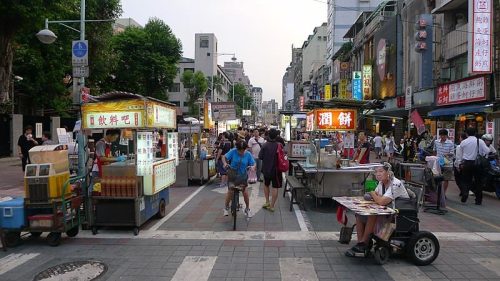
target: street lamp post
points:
(46, 36)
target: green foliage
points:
(196, 86)
(242, 98)
(146, 59)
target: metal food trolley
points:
(133, 191)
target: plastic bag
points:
(252, 176)
(384, 227)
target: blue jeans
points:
(259, 167)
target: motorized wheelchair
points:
(421, 247)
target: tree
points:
(146, 59)
(217, 85)
(196, 86)
(242, 98)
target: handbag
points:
(481, 161)
(236, 178)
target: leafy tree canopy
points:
(196, 86)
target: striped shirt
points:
(444, 149)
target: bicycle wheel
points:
(234, 206)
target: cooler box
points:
(12, 214)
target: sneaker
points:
(266, 206)
(226, 212)
(270, 209)
(249, 213)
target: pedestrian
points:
(445, 148)
(362, 154)
(24, 144)
(378, 146)
(389, 147)
(224, 147)
(272, 177)
(472, 174)
(104, 152)
(255, 144)
(240, 160)
(46, 140)
(280, 139)
(457, 164)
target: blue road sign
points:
(80, 49)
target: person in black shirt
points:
(268, 155)
(224, 147)
(24, 144)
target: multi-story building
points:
(270, 112)
(341, 16)
(177, 93)
(206, 54)
(314, 51)
(287, 86)
(256, 94)
(236, 73)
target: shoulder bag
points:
(481, 161)
(234, 177)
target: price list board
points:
(164, 175)
(297, 149)
(145, 153)
(173, 147)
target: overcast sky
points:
(260, 32)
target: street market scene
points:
(250, 140)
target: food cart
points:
(131, 192)
(327, 173)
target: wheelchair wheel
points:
(423, 248)
(381, 255)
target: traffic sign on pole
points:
(80, 52)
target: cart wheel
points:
(36, 234)
(94, 230)
(381, 255)
(423, 248)
(54, 239)
(136, 231)
(73, 232)
(162, 209)
(12, 239)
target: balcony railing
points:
(455, 42)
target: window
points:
(204, 42)
(175, 88)
(189, 69)
(177, 103)
(319, 38)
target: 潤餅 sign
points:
(332, 120)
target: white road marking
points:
(298, 214)
(267, 235)
(195, 268)
(14, 260)
(174, 211)
(401, 272)
(492, 264)
(297, 269)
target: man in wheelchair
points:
(388, 189)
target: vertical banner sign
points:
(310, 121)
(328, 92)
(301, 103)
(480, 39)
(408, 98)
(357, 92)
(315, 91)
(490, 128)
(343, 89)
(38, 131)
(367, 82)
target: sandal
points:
(266, 206)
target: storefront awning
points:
(456, 110)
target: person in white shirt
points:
(389, 188)
(378, 146)
(458, 163)
(471, 174)
(445, 148)
(254, 145)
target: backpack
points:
(282, 162)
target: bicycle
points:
(235, 203)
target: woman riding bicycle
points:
(240, 160)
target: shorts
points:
(447, 173)
(220, 168)
(276, 181)
(378, 150)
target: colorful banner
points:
(328, 92)
(417, 120)
(343, 88)
(357, 92)
(367, 82)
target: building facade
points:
(270, 112)
(256, 94)
(177, 93)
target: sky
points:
(259, 32)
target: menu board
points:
(164, 175)
(173, 147)
(297, 149)
(145, 153)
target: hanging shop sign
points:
(490, 128)
(480, 41)
(163, 117)
(357, 91)
(333, 119)
(310, 122)
(328, 92)
(382, 59)
(464, 91)
(111, 120)
(343, 88)
(367, 82)
(301, 103)
(224, 111)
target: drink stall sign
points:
(111, 120)
(335, 119)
